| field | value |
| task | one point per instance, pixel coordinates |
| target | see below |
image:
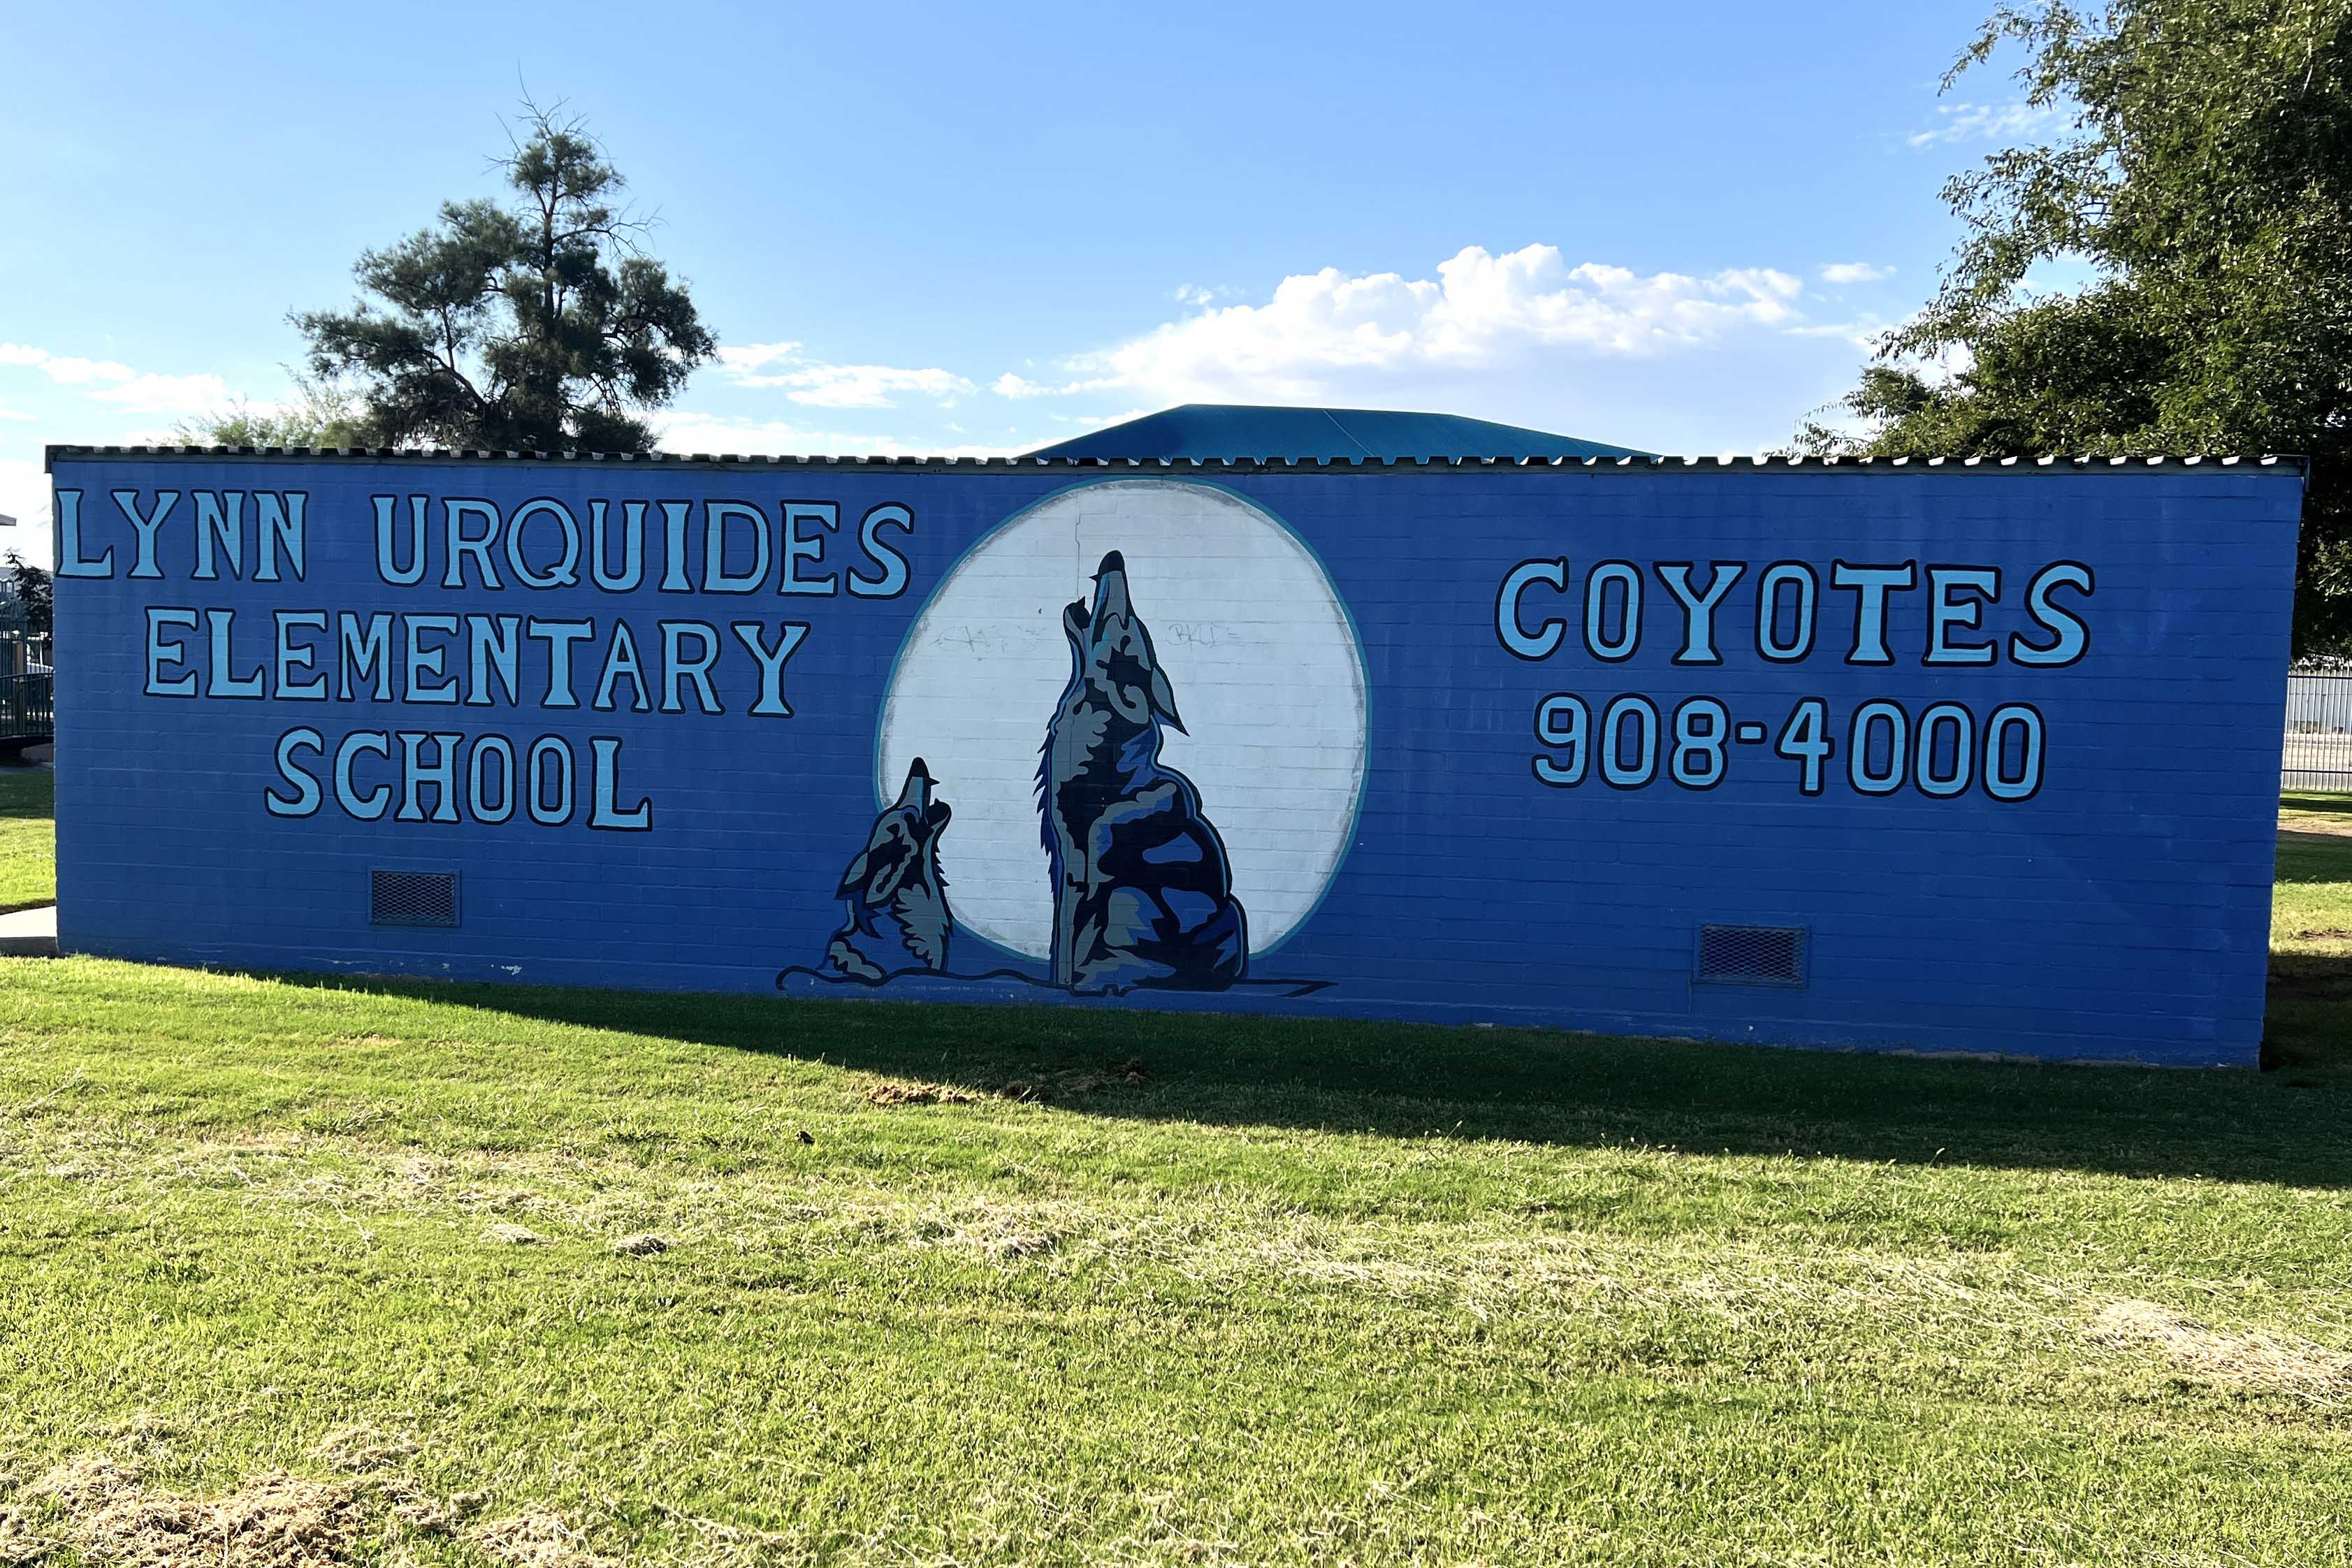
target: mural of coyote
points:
(898, 919)
(1143, 892)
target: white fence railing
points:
(2318, 732)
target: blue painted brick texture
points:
(1424, 820)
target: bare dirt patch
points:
(2260, 1362)
(644, 1244)
(1063, 1084)
(1073, 1083)
(2309, 977)
(891, 1091)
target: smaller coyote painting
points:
(1143, 892)
(896, 899)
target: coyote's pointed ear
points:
(1163, 700)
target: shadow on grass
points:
(2308, 1031)
(2319, 801)
(1528, 1084)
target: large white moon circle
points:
(1264, 661)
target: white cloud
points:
(2012, 121)
(1844, 272)
(868, 385)
(1194, 294)
(1322, 331)
(821, 385)
(167, 394)
(64, 370)
(1864, 335)
(1673, 360)
(1011, 385)
(131, 391)
(751, 356)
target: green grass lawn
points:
(964, 1285)
(28, 847)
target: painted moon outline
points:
(1230, 797)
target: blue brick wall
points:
(2121, 910)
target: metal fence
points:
(2318, 731)
(27, 710)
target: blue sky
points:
(947, 229)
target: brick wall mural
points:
(1977, 758)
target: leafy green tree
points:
(32, 588)
(538, 326)
(2205, 174)
(325, 415)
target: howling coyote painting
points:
(897, 902)
(1143, 892)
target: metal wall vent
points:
(413, 897)
(1750, 955)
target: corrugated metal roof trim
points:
(1141, 465)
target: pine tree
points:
(541, 325)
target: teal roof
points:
(1210, 430)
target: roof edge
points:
(1757, 462)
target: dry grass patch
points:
(2253, 1363)
(1069, 1084)
(21, 1540)
(1226, 1239)
(1006, 1232)
(1676, 1307)
(539, 1538)
(106, 1510)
